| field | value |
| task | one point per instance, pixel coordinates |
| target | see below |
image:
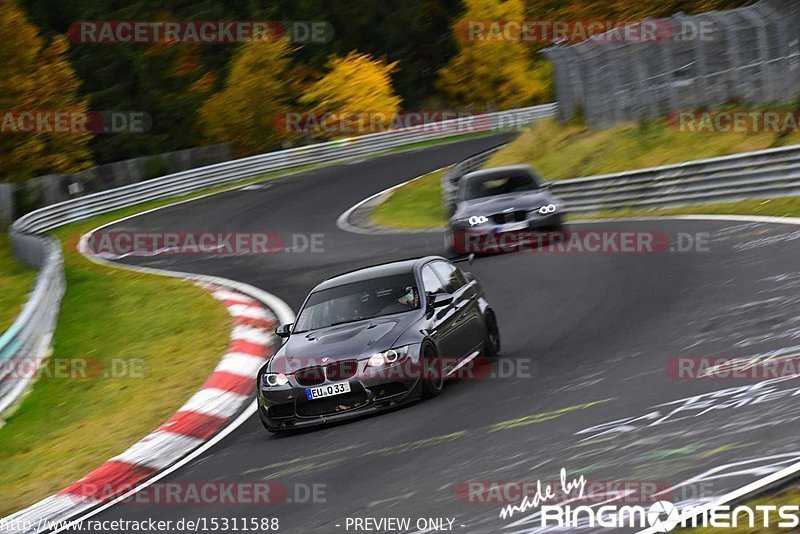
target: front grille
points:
(510, 217)
(520, 216)
(341, 370)
(332, 405)
(310, 376)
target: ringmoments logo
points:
(557, 504)
(663, 516)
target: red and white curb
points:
(224, 394)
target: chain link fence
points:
(750, 54)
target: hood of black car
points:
(342, 342)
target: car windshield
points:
(488, 186)
(358, 301)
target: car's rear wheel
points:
(432, 375)
(491, 345)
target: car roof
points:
(501, 171)
(376, 271)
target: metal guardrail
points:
(764, 174)
(222, 173)
(28, 340)
(27, 343)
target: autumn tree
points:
(356, 95)
(37, 78)
(493, 71)
(246, 111)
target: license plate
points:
(327, 391)
(511, 227)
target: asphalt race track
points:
(583, 383)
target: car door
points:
(445, 319)
(468, 324)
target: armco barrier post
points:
(6, 204)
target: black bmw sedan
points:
(375, 338)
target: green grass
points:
(174, 334)
(417, 204)
(16, 281)
(562, 151)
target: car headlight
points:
(477, 220)
(274, 379)
(546, 210)
(388, 357)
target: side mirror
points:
(440, 300)
(284, 330)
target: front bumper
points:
(288, 407)
(492, 238)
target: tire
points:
(432, 380)
(491, 344)
(563, 231)
(450, 243)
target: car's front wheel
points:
(491, 344)
(432, 380)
